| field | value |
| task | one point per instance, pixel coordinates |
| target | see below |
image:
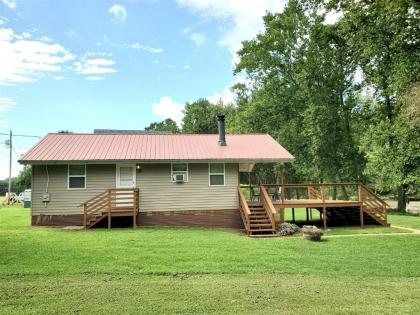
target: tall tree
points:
(23, 181)
(383, 35)
(168, 125)
(200, 116)
(303, 92)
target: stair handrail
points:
(363, 191)
(102, 203)
(244, 209)
(371, 193)
(268, 206)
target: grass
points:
(194, 270)
(406, 220)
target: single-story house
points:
(159, 179)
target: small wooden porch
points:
(329, 199)
(113, 202)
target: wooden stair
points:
(258, 218)
(113, 202)
(260, 223)
(95, 218)
(372, 205)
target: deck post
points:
(85, 215)
(307, 215)
(109, 209)
(293, 215)
(282, 182)
(324, 217)
(281, 215)
(362, 223)
(135, 203)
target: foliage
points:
(23, 181)
(4, 186)
(337, 96)
(303, 93)
(165, 125)
(201, 116)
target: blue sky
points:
(80, 65)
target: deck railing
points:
(319, 196)
(113, 201)
(268, 206)
(244, 209)
(328, 191)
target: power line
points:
(17, 154)
(27, 136)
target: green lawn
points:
(410, 221)
(193, 270)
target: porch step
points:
(259, 225)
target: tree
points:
(200, 116)
(303, 92)
(383, 35)
(168, 125)
(23, 180)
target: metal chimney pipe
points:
(221, 126)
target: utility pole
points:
(10, 167)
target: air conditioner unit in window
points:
(179, 178)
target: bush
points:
(288, 229)
(312, 233)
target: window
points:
(77, 176)
(179, 168)
(217, 174)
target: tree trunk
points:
(402, 198)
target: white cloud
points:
(227, 96)
(94, 66)
(46, 39)
(198, 39)
(167, 108)
(186, 67)
(6, 103)
(11, 4)
(28, 60)
(118, 12)
(94, 78)
(71, 34)
(26, 35)
(246, 17)
(146, 48)
(332, 17)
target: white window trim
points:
(68, 177)
(117, 174)
(179, 172)
(224, 175)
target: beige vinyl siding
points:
(158, 193)
(63, 200)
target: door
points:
(126, 176)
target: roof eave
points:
(253, 160)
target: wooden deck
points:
(322, 197)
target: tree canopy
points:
(342, 97)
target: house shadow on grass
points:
(116, 222)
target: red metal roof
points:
(154, 147)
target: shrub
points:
(312, 233)
(288, 229)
